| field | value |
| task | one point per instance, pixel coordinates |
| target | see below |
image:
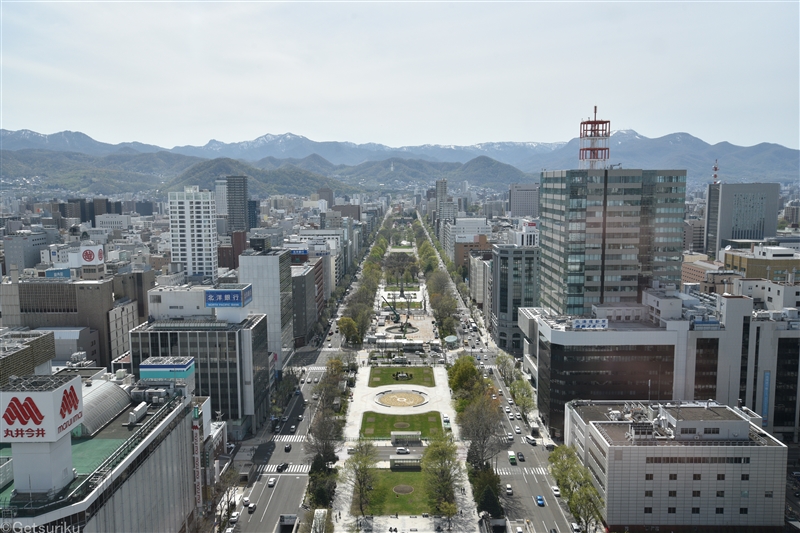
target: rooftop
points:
(35, 383)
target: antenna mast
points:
(594, 142)
(715, 168)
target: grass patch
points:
(381, 376)
(386, 502)
(378, 425)
(407, 288)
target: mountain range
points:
(291, 163)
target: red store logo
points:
(23, 412)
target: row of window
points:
(695, 460)
(695, 510)
(696, 494)
(699, 477)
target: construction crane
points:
(396, 317)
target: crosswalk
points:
(289, 438)
(310, 369)
(291, 469)
(539, 471)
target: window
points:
(648, 494)
(673, 494)
(711, 431)
(745, 477)
(745, 494)
(720, 510)
(742, 510)
(688, 431)
(648, 477)
(720, 494)
(673, 477)
(768, 494)
(720, 477)
(695, 494)
(696, 477)
(695, 510)
(671, 510)
(648, 510)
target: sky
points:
(400, 73)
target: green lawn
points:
(408, 288)
(385, 501)
(377, 425)
(421, 375)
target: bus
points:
(512, 458)
(549, 445)
(534, 429)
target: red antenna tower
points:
(594, 142)
(715, 168)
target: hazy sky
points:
(401, 73)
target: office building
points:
(680, 466)
(237, 197)
(326, 193)
(270, 274)
(523, 199)
(23, 248)
(253, 214)
(221, 196)
(308, 301)
(694, 231)
(515, 274)
(607, 234)
(193, 232)
(775, 263)
(462, 230)
(477, 271)
(25, 352)
(739, 211)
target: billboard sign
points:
(41, 416)
(590, 323)
(229, 297)
(92, 255)
(299, 252)
(57, 273)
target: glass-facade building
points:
(515, 273)
(607, 234)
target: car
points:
(445, 418)
(292, 429)
(509, 490)
(494, 396)
(575, 528)
(234, 517)
(245, 501)
(516, 430)
(316, 380)
(271, 482)
(510, 437)
(519, 416)
(510, 401)
(285, 418)
(540, 501)
(315, 396)
(299, 417)
(288, 447)
(330, 333)
(491, 371)
(251, 508)
(283, 466)
(228, 530)
(797, 494)
(520, 457)
(302, 380)
(508, 409)
(511, 416)
(530, 440)
(485, 375)
(278, 429)
(402, 451)
(556, 492)
(330, 345)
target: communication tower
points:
(594, 142)
(715, 168)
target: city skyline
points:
(401, 74)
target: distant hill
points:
(286, 179)
(358, 163)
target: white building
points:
(111, 221)
(462, 230)
(523, 199)
(680, 466)
(193, 229)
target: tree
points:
(441, 471)
(449, 510)
(479, 425)
(360, 469)
(586, 505)
(437, 283)
(348, 328)
(324, 435)
(462, 374)
(490, 503)
(505, 365)
(225, 489)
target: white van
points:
(509, 491)
(575, 528)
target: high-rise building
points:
(253, 214)
(193, 232)
(221, 190)
(326, 193)
(270, 274)
(523, 199)
(515, 274)
(694, 230)
(237, 194)
(739, 211)
(441, 193)
(606, 234)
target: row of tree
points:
(518, 385)
(575, 483)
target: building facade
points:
(739, 211)
(607, 234)
(523, 199)
(193, 232)
(237, 197)
(515, 274)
